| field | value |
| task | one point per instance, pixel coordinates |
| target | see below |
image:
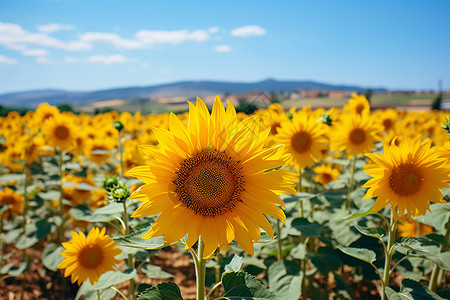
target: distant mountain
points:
(31, 99)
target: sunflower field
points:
(346, 203)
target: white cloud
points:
(247, 31)
(222, 48)
(44, 60)
(71, 60)
(153, 37)
(13, 36)
(110, 38)
(54, 27)
(35, 52)
(111, 59)
(213, 30)
(7, 60)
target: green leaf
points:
(409, 243)
(285, 279)
(264, 238)
(234, 265)
(299, 251)
(88, 293)
(366, 255)
(250, 260)
(111, 278)
(83, 213)
(326, 260)
(364, 211)
(299, 197)
(412, 290)
(162, 291)
(372, 231)
(17, 271)
(51, 256)
(43, 228)
(438, 216)
(133, 240)
(244, 286)
(306, 228)
(152, 271)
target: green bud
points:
(289, 115)
(110, 182)
(120, 193)
(446, 125)
(327, 119)
(118, 125)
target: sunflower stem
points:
(130, 256)
(213, 289)
(432, 285)
(279, 244)
(350, 185)
(61, 192)
(118, 292)
(98, 295)
(120, 155)
(25, 199)
(2, 241)
(200, 270)
(300, 187)
(218, 273)
(388, 257)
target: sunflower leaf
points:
(285, 279)
(152, 271)
(235, 264)
(299, 197)
(408, 244)
(366, 255)
(326, 260)
(51, 256)
(162, 291)
(364, 211)
(411, 290)
(306, 228)
(242, 285)
(372, 231)
(111, 278)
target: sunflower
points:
(88, 257)
(325, 174)
(408, 176)
(60, 132)
(358, 104)
(211, 179)
(409, 229)
(355, 134)
(99, 150)
(45, 112)
(304, 139)
(13, 200)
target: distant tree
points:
(437, 102)
(369, 95)
(65, 107)
(245, 106)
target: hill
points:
(31, 99)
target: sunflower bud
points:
(446, 125)
(118, 125)
(327, 119)
(120, 193)
(110, 182)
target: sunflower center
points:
(326, 177)
(61, 132)
(405, 179)
(387, 123)
(301, 141)
(91, 256)
(357, 136)
(210, 183)
(359, 108)
(7, 200)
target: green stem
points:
(350, 185)
(213, 289)
(120, 155)
(98, 295)
(218, 273)
(300, 187)
(130, 256)
(436, 270)
(61, 192)
(25, 199)
(279, 242)
(200, 270)
(2, 241)
(118, 292)
(388, 257)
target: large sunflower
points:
(211, 179)
(60, 131)
(356, 134)
(13, 201)
(408, 176)
(304, 139)
(88, 257)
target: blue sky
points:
(88, 45)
